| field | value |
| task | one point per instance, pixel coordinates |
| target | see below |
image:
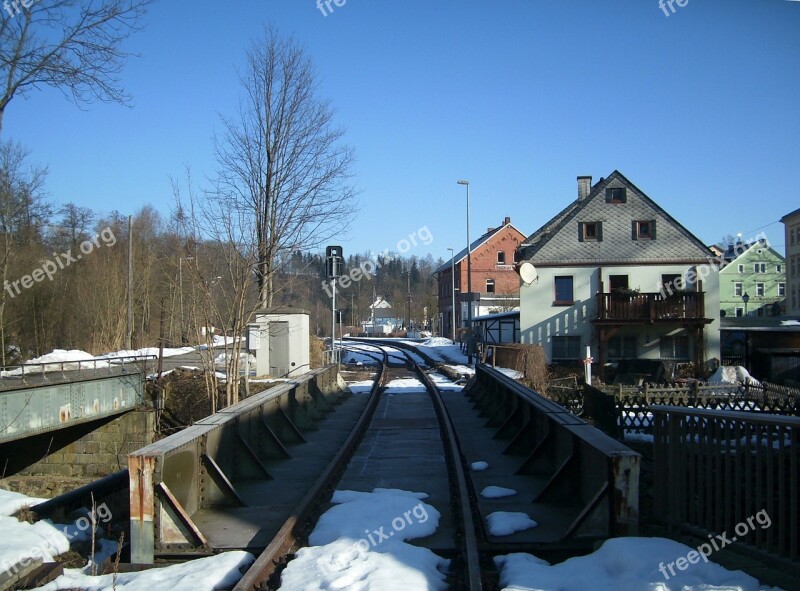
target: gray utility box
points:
(279, 339)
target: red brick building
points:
(494, 281)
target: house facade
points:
(616, 272)
(791, 223)
(495, 283)
(753, 280)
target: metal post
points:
(129, 336)
(453, 290)
(469, 274)
(408, 291)
(333, 317)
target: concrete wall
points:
(540, 319)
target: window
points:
(490, 286)
(621, 348)
(740, 269)
(590, 231)
(644, 230)
(501, 257)
(737, 289)
(675, 348)
(566, 348)
(759, 267)
(517, 256)
(564, 294)
(791, 240)
(618, 282)
(671, 282)
(739, 311)
(779, 268)
(616, 195)
(760, 289)
(782, 290)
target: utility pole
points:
(129, 336)
(408, 288)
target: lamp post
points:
(453, 291)
(469, 275)
(745, 299)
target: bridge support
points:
(51, 463)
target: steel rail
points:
(469, 538)
(286, 538)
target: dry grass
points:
(529, 360)
(317, 347)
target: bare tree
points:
(72, 45)
(282, 165)
(23, 212)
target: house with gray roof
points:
(615, 272)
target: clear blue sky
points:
(700, 109)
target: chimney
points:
(584, 187)
(506, 221)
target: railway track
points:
(257, 476)
(382, 459)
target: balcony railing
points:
(650, 307)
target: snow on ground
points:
(495, 492)
(244, 357)
(512, 373)
(73, 359)
(148, 351)
(444, 383)
(464, 370)
(11, 502)
(504, 523)
(222, 571)
(405, 386)
(623, 564)
(731, 375)
(790, 322)
(479, 466)
(362, 387)
(21, 542)
(442, 350)
(359, 544)
(638, 436)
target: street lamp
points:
(745, 299)
(469, 274)
(453, 291)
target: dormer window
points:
(644, 230)
(616, 195)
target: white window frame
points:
(740, 269)
(760, 290)
(738, 289)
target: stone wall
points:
(64, 463)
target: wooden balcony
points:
(636, 308)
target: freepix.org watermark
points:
(714, 264)
(49, 268)
(663, 4)
(12, 7)
(715, 543)
(76, 532)
(369, 267)
(378, 536)
(325, 5)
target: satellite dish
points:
(528, 273)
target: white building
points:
(613, 270)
